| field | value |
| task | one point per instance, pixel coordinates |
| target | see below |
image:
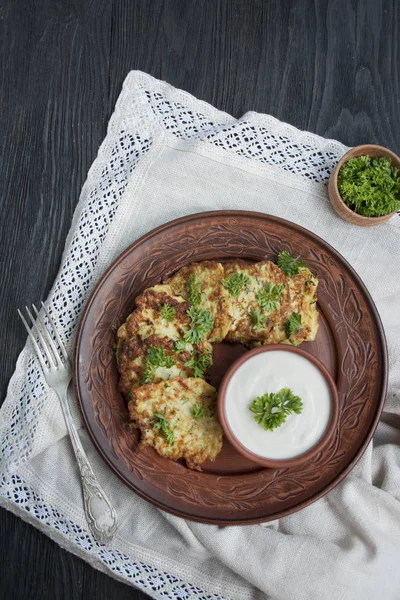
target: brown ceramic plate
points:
(233, 490)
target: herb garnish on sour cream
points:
(271, 409)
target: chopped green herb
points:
(155, 358)
(293, 324)
(235, 283)
(199, 363)
(179, 345)
(164, 426)
(370, 186)
(289, 265)
(194, 290)
(167, 385)
(271, 410)
(257, 318)
(168, 312)
(197, 412)
(269, 297)
(201, 322)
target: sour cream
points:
(270, 372)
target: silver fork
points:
(100, 514)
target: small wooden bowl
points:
(299, 459)
(334, 196)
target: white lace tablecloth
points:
(166, 155)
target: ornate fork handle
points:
(100, 514)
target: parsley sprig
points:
(194, 290)
(201, 323)
(235, 283)
(163, 425)
(289, 265)
(197, 411)
(293, 324)
(370, 186)
(156, 357)
(179, 345)
(257, 318)
(168, 312)
(271, 410)
(199, 363)
(269, 297)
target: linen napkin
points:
(166, 155)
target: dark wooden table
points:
(332, 67)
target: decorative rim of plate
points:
(304, 233)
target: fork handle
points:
(100, 514)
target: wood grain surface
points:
(332, 67)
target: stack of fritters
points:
(165, 347)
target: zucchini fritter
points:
(200, 285)
(178, 418)
(260, 302)
(150, 344)
(303, 299)
(150, 318)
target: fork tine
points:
(47, 336)
(41, 338)
(34, 343)
(62, 347)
